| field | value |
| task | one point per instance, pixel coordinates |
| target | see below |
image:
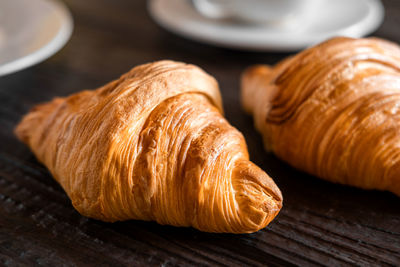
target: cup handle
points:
(211, 10)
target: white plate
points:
(353, 18)
(31, 31)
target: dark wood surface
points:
(320, 224)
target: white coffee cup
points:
(254, 11)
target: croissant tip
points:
(259, 198)
(31, 121)
(250, 80)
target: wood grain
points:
(321, 223)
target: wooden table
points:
(320, 224)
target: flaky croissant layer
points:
(333, 110)
(153, 145)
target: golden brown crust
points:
(153, 145)
(333, 111)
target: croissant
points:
(333, 111)
(153, 145)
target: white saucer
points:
(31, 31)
(353, 18)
